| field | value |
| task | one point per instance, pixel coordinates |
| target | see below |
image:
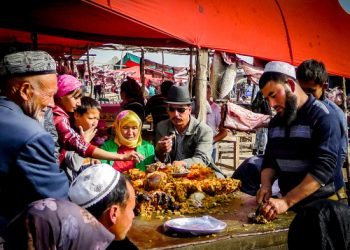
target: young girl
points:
(67, 99)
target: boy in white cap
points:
(302, 146)
(108, 195)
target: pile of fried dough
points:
(165, 190)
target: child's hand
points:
(133, 156)
(88, 134)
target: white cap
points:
(93, 184)
(280, 67)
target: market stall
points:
(239, 233)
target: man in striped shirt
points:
(303, 144)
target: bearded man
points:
(28, 168)
(303, 144)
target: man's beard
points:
(290, 110)
(32, 110)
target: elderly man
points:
(302, 147)
(312, 77)
(182, 139)
(28, 168)
(112, 203)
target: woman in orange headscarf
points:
(127, 127)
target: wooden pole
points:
(201, 84)
(162, 66)
(89, 71)
(121, 60)
(190, 82)
(142, 70)
(344, 96)
(72, 61)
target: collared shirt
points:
(196, 145)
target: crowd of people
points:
(57, 186)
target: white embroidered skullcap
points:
(93, 184)
(280, 67)
(27, 63)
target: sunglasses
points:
(180, 110)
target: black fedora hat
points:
(178, 95)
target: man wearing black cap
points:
(182, 139)
(28, 168)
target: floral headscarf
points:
(56, 224)
(123, 118)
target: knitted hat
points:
(280, 67)
(27, 63)
(93, 184)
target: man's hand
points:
(164, 145)
(273, 207)
(179, 164)
(263, 194)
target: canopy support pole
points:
(142, 70)
(89, 71)
(190, 82)
(162, 66)
(201, 84)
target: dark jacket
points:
(28, 168)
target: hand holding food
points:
(133, 156)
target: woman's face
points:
(87, 120)
(130, 131)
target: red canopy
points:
(56, 46)
(287, 30)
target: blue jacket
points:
(28, 168)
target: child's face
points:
(71, 101)
(87, 120)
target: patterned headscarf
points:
(123, 118)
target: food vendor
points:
(302, 146)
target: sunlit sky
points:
(104, 56)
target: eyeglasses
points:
(180, 110)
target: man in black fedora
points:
(182, 139)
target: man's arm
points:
(268, 176)
(307, 187)
(204, 147)
(39, 167)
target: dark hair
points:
(118, 196)
(86, 104)
(164, 88)
(132, 89)
(272, 76)
(312, 70)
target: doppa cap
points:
(280, 67)
(93, 184)
(27, 63)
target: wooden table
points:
(239, 234)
